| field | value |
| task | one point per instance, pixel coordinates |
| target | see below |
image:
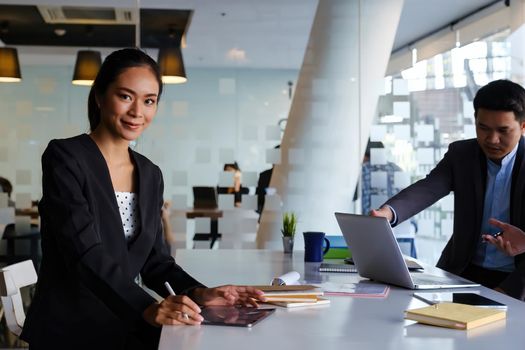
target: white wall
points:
(219, 116)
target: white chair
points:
(12, 278)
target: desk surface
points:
(347, 323)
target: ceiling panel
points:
(271, 33)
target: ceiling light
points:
(9, 65)
(86, 67)
(172, 66)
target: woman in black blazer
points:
(101, 228)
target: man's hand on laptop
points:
(383, 212)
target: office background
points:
(233, 108)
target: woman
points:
(237, 190)
(101, 228)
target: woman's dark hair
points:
(111, 68)
(501, 95)
(6, 186)
(234, 166)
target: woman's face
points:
(130, 103)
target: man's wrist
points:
(393, 220)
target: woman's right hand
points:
(175, 309)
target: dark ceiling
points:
(24, 25)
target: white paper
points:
(289, 279)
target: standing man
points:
(487, 176)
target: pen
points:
(168, 287)
(172, 292)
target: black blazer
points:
(463, 170)
(86, 295)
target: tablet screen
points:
(239, 316)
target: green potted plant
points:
(288, 231)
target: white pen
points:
(168, 287)
(172, 292)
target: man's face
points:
(497, 132)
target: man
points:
(487, 176)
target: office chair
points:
(12, 278)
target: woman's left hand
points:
(228, 295)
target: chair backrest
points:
(12, 278)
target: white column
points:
(517, 41)
(335, 100)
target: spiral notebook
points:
(328, 267)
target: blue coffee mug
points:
(313, 246)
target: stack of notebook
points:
(453, 315)
(294, 296)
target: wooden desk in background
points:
(31, 212)
(214, 215)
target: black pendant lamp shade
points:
(9, 65)
(171, 65)
(86, 67)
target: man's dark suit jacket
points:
(86, 296)
(463, 170)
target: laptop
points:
(204, 197)
(377, 255)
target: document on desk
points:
(362, 289)
(297, 303)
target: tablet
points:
(237, 316)
(461, 298)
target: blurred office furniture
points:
(17, 233)
(204, 197)
(12, 278)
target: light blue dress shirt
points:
(497, 205)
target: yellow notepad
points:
(453, 315)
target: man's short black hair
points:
(501, 95)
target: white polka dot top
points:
(128, 208)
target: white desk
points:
(347, 323)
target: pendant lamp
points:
(9, 65)
(171, 65)
(86, 67)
